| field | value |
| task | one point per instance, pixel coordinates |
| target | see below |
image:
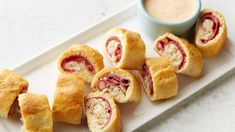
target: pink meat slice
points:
(14, 112)
(117, 51)
(161, 45)
(215, 27)
(147, 76)
(78, 59)
(114, 80)
(89, 104)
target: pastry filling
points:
(100, 110)
(208, 27)
(173, 51)
(114, 84)
(114, 48)
(77, 63)
(148, 82)
(14, 112)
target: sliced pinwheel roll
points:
(121, 84)
(159, 79)
(11, 85)
(102, 113)
(211, 32)
(36, 113)
(82, 60)
(124, 48)
(185, 58)
(69, 99)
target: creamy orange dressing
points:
(170, 10)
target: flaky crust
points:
(212, 47)
(133, 93)
(11, 85)
(91, 54)
(133, 55)
(164, 79)
(114, 124)
(36, 113)
(194, 59)
(69, 99)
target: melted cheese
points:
(115, 91)
(79, 68)
(172, 53)
(75, 66)
(205, 30)
(146, 83)
(112, 46)
(98, 108)
(111, 49)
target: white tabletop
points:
(27, 27)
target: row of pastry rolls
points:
(78, 65)
(69, 101)
(34, 109)
(184, 57)
(126, 50)
(177, 55)
(101, 111)
(187, 59)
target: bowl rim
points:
(193, 16)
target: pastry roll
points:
(211, 32)
(121, 84)
(125, 49)
(68, 99)
(159, 79)
(36, 113)
(102, 113)
(82, 60)
(11, 85)
(184, 57)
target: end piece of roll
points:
(211, 32)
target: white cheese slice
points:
(173, 53)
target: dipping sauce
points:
(170, 10)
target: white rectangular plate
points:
(41, 72)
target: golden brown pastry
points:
(36, 113)
(159, 79)
(102, 113)
(82, 60)
(69, 99)
(125, 49)
(121, 84)
(211, 32)
(11, 85)
(185, 58)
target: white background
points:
(27, 27)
